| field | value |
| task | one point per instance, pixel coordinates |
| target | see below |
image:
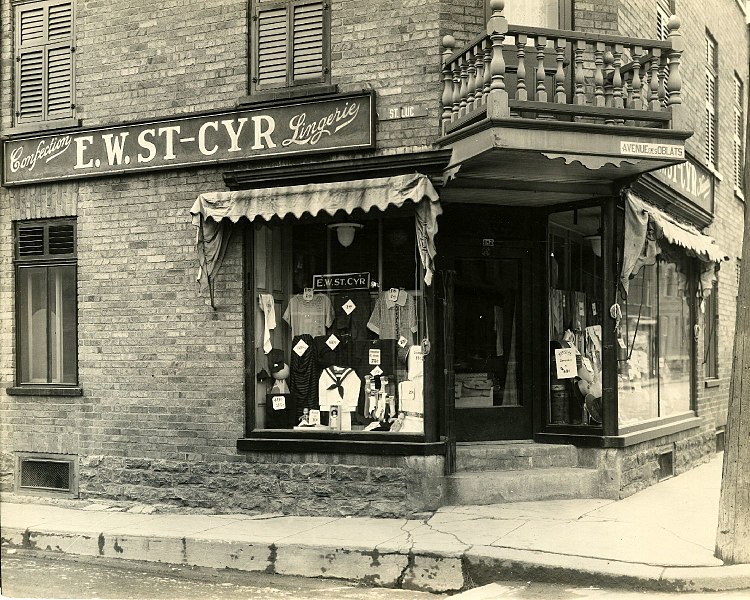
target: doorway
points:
(492, 353)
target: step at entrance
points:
(497, 472)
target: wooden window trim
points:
(255, 87)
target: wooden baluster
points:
(674, 83)
(541, 90)
(560, 96)
(497, 27)
(464, 85)
(663, 75)
(617, 77)
(487, 44)
(628, 89)
(608, 88)
(637, 102)
(479, 81)
(521, 93)
(471, 81)
(653, 101)
(456, 89)
(598, 74)
(449, 43)
(579, 74)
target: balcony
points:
(557, 115)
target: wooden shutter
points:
(44, 74)
(307, 42)
(710, 98)
(272, 37)
(739, 125)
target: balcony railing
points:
(518, 71)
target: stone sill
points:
(341, 445)
(40, 390)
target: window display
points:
(349, 338)
(575, 317)
(654, 370)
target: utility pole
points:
(733, 534)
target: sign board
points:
(409, 111)
(332, 282)
(691, 180)
(565, 362)
(334, 124)
(663, 151)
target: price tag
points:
(581, 309)
(418, 354)
(593, 308)
(376, 371)
(393, 294)
(621, 343)
(279, 402)
(300, 348)
(314, 418)
(374, 357)
(587, 363)
(349, 307)
(565, 362)
(402, 341)
(332, 342)
(307, 295)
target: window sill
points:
(284, 94)
(712, 383)
(40, 390)
(43, 127)
(739, 195)
(339, 443)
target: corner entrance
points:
(492, 345)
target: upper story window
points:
(739, 124)
(290, 43)
(710, 141)
(663, 12)
(44, 61)
(46, 301)
(551, 14)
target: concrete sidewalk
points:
(661, 538)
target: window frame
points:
(255, 87)
(45, 45)
(738, 134)
(50, 262)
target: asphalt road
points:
(40, 575)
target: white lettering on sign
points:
(409, 111)
(310, 133)
(565, 361)
(649, 149)
(47, 151)
(687, 178)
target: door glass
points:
(487, 333)
(534, 13)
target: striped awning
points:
(214, 212)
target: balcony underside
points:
(525, 162)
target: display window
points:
(575, 317)
(655, 365)
(340, 324)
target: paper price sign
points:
(314, 417)
(349, 307)
(402, 341)
(307, 295)
(565, 360)
(332, 342)
(376, 371)
(300, 348)
(393, 294)
(374, 356)
(279, 402)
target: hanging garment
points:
(391, 320)
(305, 373)
(269, 319)
(339, 385)
(309, 316)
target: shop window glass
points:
(347, 300)
(575, 311)
(710, 334)
(655, 363)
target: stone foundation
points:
(305, 484)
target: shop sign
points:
(332, 282)
(692, 181)
(341, 123)
(408, 111)
(665, 151)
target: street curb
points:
(423, 570)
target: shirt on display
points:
(309, 317)
(392, 320)
(340, 386)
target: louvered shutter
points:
(307, 43)
(272, 43)
(44, 74)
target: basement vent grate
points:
(666, 465)
(50, 475)
(720, 438)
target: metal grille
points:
(666, 465)
(45, 474)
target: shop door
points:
(492, 346)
